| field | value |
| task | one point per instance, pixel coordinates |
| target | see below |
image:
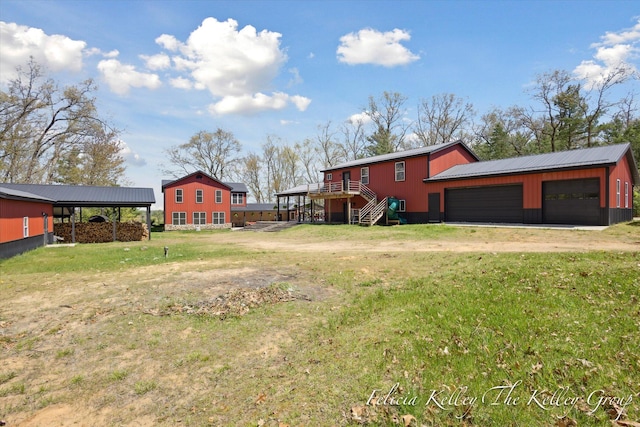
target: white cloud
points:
(157, 62)
(615, 51)
(295, 77)
(131, 156)
(236, 65)
(363, 118)
(369, 46)
(181, 83)
(18, 43)
(122, 77)
(251, 104)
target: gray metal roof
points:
(596, 156)
(237, 187)
(398, 155)
(86, 195)
(300, 189)
(10, 193)
(255, 207)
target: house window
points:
(626, 194)
(399, 171)
(25, 226)
(199, 218)
(237, 198)
(217, 218)
(617, 193)
(218, 196)
(199, 196)
(364, 175)
(402, 205)
(179, 218)
(178, 195)
(329, 177)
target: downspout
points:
(606, 195)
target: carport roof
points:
(587, 157)
(86, 195)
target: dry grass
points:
(90, 335)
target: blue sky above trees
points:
(168, 69)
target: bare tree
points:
(387, 114)
(251, 175)
(327, 149)
(549, 87)
(41, 124)
(210, 152)
(353, 139)
(442, 119)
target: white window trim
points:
(364, 175)
(402, 205)
(173, 218)
(237, 198)
(329, 177)
(199, 221)
(25, 226)
(403, 171)
(216, 218)
(201, 191)
(218, 196)
(181, 192)
(626, 194)
(617, 193)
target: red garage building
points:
(590, 186)
(447, 182)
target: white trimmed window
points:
(178, 195)
(25, 226)
(402, 205)
(217, 218)
(626, 194)
(218, 196)
(179, 218)
(199, 196)
(364, 175)
(617, 193)
(399, 171)
(329, 177)
(199, 218)
(237, 198)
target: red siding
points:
(189, 185)
(531, 184)
(451, 156)
(12, 213)
(621, 171)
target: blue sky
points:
(168, 69)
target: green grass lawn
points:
(382, 338)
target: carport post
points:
(114, 225)
(73, 225)
(149, 221)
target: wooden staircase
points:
(372, 211)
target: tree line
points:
(50, 134)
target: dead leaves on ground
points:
(236, 302)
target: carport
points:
(66, 198)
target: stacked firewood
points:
(99, 232)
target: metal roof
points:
(10, 193)
(256, 207)
(586, 157)
(399, 155)
(86, 195)
(237, 187)
(300, 189)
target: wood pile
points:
(100, 232)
